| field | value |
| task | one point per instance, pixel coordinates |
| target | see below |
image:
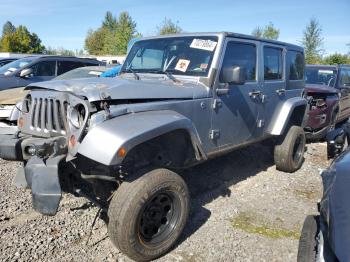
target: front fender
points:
(283, 114)
(103, 142)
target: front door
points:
(42, 71)
(234, 119)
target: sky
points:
(64, 23)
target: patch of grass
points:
(248, 222)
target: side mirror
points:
(26, 72)
(235, 75)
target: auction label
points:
(182, 65)
(208, 45)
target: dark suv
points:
(328, 91)
(33, 69)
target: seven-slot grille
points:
(48, 115)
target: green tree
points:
(21, 41)
(336, 59)
(125, 32)
(313, 42)
(269, 32)
(94, 41)
(168, 27)
(8, 28)
(110, 22)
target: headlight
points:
(76, 115)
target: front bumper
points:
(42, 176)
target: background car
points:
(328, 92)
(29, 70)
(4, 61)
(84, 72)
(326, 237)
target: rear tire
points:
(147, 215)
(289, 154)
(308, 240)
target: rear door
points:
(273, 83)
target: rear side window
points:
(344, 78)
(296, 65)
(65, 66)
(242, 55)
(273, 66)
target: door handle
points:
(281, 91)
(254, 94)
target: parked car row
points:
(178, 101)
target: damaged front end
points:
(51, 126)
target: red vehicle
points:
(328, 91)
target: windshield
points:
(321, 76)
(178, 55)
(15, 65)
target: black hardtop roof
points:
(230, 34)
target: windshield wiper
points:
(171, 77)
(129, 69)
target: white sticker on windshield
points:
(182, 65)
(324, 71)
(208, 45)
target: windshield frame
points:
(188, 74)
(10, 65)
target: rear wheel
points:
(289, 153)
(147, 216)
(308, 240)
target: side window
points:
(296, 65)
(344, 78)
(44, 68)
(273, 65)
(242, 55)
(65, 66)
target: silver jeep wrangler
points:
(179, 100)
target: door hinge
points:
(214, 134)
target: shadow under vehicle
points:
(326, 237)
(178, 101)
(328, 92)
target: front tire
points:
(289, 154)
(147, 215)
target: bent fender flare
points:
(103, 142)
(283, 114)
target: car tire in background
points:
(308, 240)
(147, 215)
(289, 152)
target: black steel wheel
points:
(147, 215)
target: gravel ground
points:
(242, 210)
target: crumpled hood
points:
(119, 88)
(313, 88)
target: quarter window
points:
(272, 63)
(242, 55)
(65, 66)
(296, 65)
